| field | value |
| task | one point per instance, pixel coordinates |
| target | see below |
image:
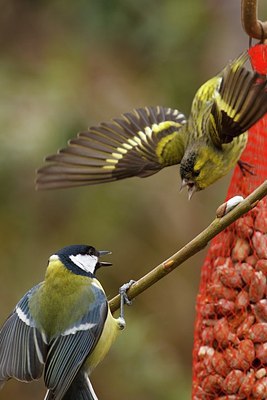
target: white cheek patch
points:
(85, 262)
(54, 257)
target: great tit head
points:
(81, 259)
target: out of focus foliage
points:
(68, 64)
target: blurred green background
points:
(66, 65)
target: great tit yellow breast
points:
(108, 336)
(63, 299)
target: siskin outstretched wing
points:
(23, 347)
(239, 102)
(134, 145)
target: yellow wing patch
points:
(224, 106)
(112, 161)
(108, 167)
(156, 128)
(142, 138)
(164, 141)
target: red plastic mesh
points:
(230, 342)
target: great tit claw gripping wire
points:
(124, 298)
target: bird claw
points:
(124, 300)
(246, 168)
(123, 292)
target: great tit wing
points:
(240, 100)
(23, 347)
(68, 351)
(137, 144)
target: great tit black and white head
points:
(81, 259)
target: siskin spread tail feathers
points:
(239, 102)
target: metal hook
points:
(251, 24)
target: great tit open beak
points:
(104, 263)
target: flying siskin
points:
(207, 145)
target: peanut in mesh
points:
(232, 347)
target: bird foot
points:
(246, 168)
(124, 300)
(123, 292)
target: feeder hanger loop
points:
(251, 24)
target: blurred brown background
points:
(66, 65)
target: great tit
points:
(62, 327)
(206, 145)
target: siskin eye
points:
(196, 172)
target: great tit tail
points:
(80, 389)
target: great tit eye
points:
(91, 251)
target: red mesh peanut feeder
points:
(230, 343)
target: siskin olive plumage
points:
(61, 328)
(207, 145)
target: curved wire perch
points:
(251, 24)
(193, 247)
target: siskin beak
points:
(192, 188)
(183, 184)
(104, 263)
